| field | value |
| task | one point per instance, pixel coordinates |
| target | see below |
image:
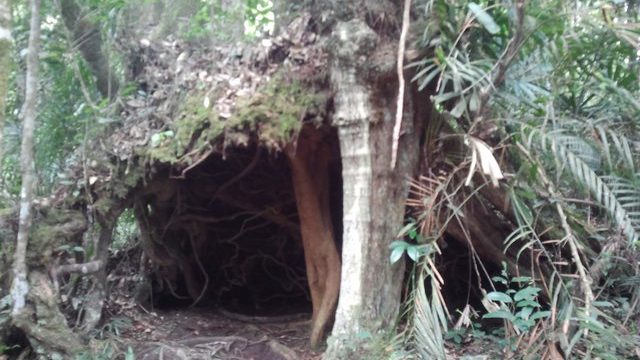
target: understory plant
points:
(535, 130)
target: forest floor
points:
(202, 333)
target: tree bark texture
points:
(94, 301)
(310, 172)
(49, 335)
(88, 40)
(374, 194)
(6, 40)
(20, 285)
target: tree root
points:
(299, 317)
(49, 333)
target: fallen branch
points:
(84, 269)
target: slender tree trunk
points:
(40, 319)
(20, 285)
(310, 172)
(88, 40)
(5, 60)
(374, 194)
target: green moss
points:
(195, 127)
(129, 175)
(54, 229)
(274, 114)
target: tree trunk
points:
(88, 40)
(20, 285)
(310, 172)
(39, 318)
(374, 194)
(5, 60)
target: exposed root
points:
(300, 317)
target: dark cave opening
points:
(227, 235)
(464, 277)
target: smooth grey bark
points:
(6, 40)
(20, 284)
(374, 194)
(88, 40)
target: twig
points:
(401, 83)
(203, 157)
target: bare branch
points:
(401, 83)
(83, 268)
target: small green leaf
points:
(499, 296)
(527, 303)
(484, 18)
(129, 355)
(396, 254)
(405, 229)
(413, 253)
(527, 293)
(458, 110)
(540, 315)
(521, 279)
(499, 279)
(499, 314)
(398, 243)
(524, 313)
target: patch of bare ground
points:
(200, 333)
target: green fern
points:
(622, 145)
(602, 188)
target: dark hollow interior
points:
(234, 218)
(461, 281)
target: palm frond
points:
(586, 176)
(429, 322)
(620, 142)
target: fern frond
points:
(580, 148)
(621, 144)
(585, 175)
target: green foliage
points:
(259, 18)
(426, 316)
(415, 250)
(518, 303)
(617, 195)
(65, 116)
(566, 109)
